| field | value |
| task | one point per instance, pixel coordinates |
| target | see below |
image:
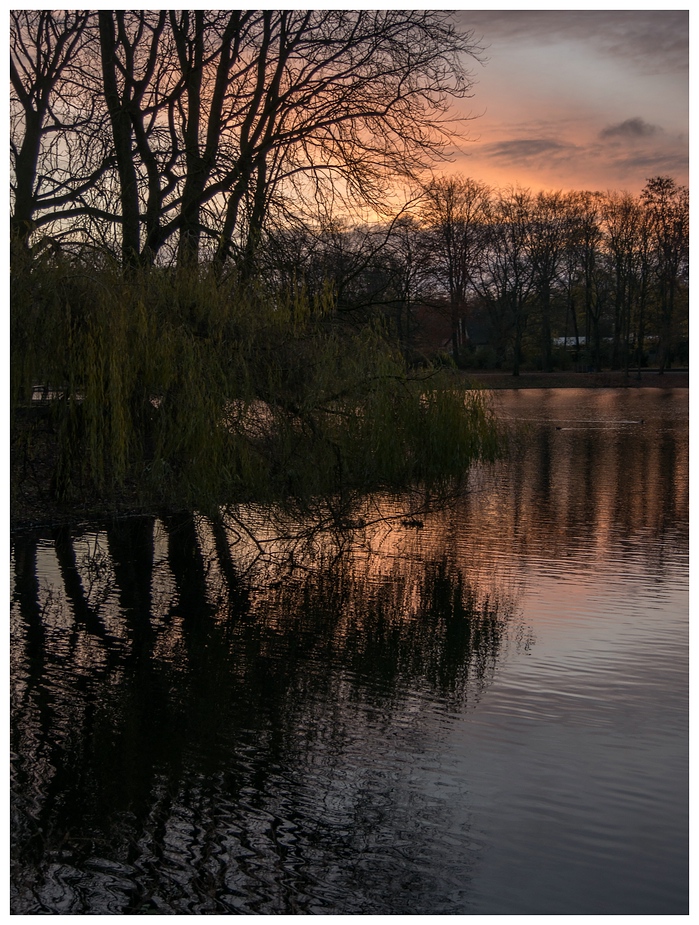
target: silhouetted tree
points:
(622, 218)
(667, 205)
(589, 243)
(137, 88)
(50, 117)
(549, 233)
(571, 271)
(455, 210)
(505, 274)
(191, 130)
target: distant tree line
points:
(550, 279)
(605, 273)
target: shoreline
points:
(495, 380)
(31, 507)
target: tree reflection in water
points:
(188, 738)
(206, 720)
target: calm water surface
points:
(482, 710)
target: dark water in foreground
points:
(480, 711)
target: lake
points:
(475, 710)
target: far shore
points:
(650, 378)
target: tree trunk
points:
(121, 131)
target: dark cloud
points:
(553, 158)
(630, 129)
(519, 149)
(655, 40)
(653, 163)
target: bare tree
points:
(51, 167)
(571, 271)
(335, 106)
(589, 243)
(505, 274)
(622, 218)
(667, 205)
(549, 234)
(643, 259)
(140, 87)
(456, 211)
(221, 121)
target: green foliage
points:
(192, 391)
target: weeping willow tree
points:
(175, 387)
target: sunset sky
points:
(578, 99)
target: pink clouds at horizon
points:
(577, 99)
